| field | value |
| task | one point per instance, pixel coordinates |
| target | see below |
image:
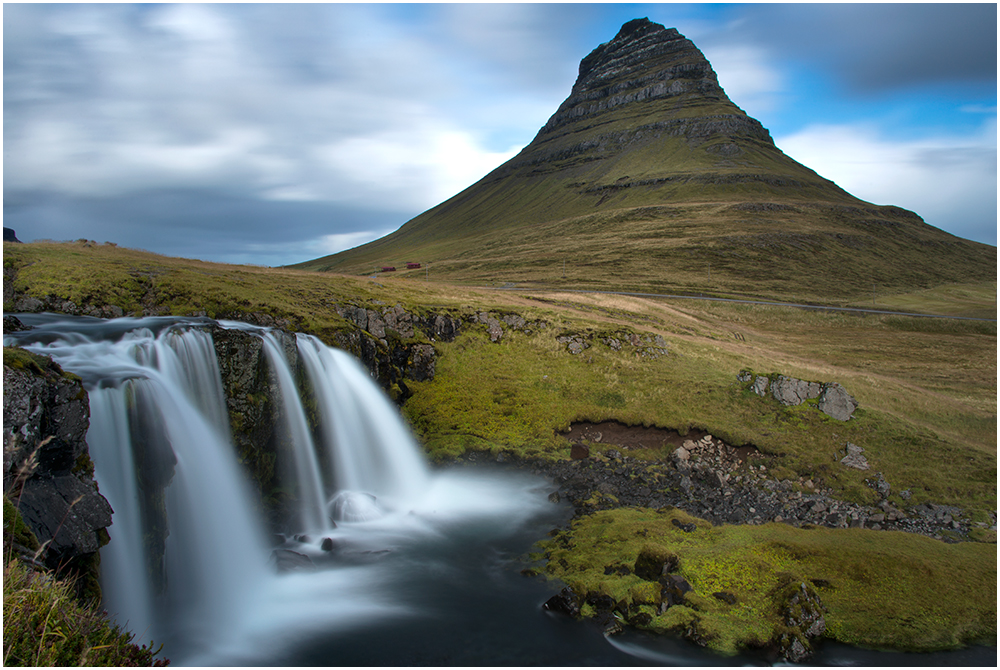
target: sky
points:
(271, 134)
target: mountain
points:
(648, 177)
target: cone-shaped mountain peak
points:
(646, 175)
(644, 62)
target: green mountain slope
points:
(649, 178)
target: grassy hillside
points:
(925, 387)
(927, 416)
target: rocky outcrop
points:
(791, 391)
(253, 402)
(833, 399)
(646, 62)
(715, 481)
(802, 615)
(382, 336)
(48, 475)
(9, 235)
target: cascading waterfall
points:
(311, 497)
(354, 410)
(192, 567)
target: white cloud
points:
(747, 76)
(950, 181)
(197, 96)
(415, 168)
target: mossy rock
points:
(654, 561)
(15, 529)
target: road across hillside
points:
(749, 302)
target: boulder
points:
(565, 602)
(837, 403)
(673, 588)
(854, 458)
(579, 452)
(791, 391)
(286, 560)
(48, 474)
(760, 385)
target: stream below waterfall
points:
(426, 566)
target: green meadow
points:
(927, 420)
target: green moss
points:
(882, 589)
(15, 529)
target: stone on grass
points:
(837, 403)
(854, 459)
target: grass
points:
(44, 623)
(45, 626)
(927, 415)
(881, 589)
(516, 395)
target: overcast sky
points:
(273, 134)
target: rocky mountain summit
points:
(643, 66)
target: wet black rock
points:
(565, 602)
(48, 473)
(686, 527)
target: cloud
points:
(192, 96)
(748, 75)
(879, 48)
(951, 181)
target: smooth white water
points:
(157, 398)
(427, 574)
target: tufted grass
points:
(882, 589)
(43, 625)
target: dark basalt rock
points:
(686, 527)
(48, 474)
(674, 588)
(565, 602)
(600, 601)
(646, 62)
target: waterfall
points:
(311, 503)
(355, 413)
(189, 563)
